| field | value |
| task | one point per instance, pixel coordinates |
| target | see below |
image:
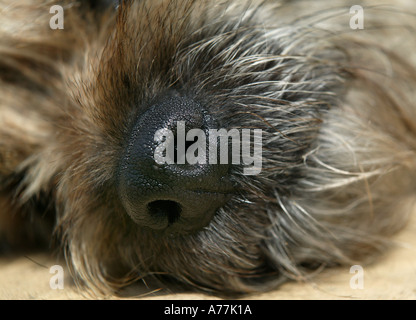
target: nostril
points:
(162, 209)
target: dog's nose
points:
(157, 186)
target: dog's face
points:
(165, 64)
(145, 186)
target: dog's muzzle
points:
(174, 197)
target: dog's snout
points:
(169, 192)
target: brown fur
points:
(337, 107)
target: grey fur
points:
(337, 109)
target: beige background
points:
(392, 277)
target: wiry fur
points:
(337, 109)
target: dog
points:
(86, 85)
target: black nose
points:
(174, 195)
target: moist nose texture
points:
(178, 196)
